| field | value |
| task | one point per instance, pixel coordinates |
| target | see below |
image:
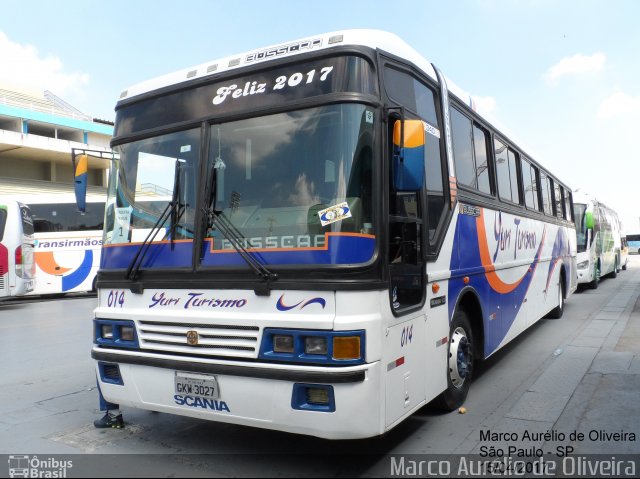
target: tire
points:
(614, 273)
(596, 273)
(558, 311)
(459, 363)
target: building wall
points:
(36, 138)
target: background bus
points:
(67, 243)
(633, 240)
(342, 236)
(599, 236)
(17, 266)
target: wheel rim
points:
(459, 357)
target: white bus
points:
(345, 236)
(17, 270)
(633, 243)
(67, 242)
(599, 236)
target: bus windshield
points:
(296, 188)
(581, 227)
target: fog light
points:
(347, 347)
(315, 345)
(283, 344)
(126, 333)
(106, 331)
(318, 396)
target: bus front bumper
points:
(250, 394)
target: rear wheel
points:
(614, 273)
(459, 363)
(557, 312)
(596, 276)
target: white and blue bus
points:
(318, 237)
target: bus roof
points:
(376, 39)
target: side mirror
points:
(80, 180)
(589, 220)
(408, 155)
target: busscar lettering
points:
(283, 50)
(287, 241)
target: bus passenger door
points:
(404, 349)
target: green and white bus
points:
(599, 235)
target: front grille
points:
(213, 340)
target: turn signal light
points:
(347, 347)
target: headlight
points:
(315, 345)
(335, 348)
(583, 265)
(283, 344)
(106, 331)
(115, 333)
(126, 333)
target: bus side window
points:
(547, 205)
(530, 185)
(470, 152)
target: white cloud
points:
(619, 104)
(576, 65)
(484, 104)
(24, 68)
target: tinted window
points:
(410, 93)
(546, 194)
(65, 217)
(482, 159)
(274, 87)
(463, 149)
(567, 204)
(502, 171)
(507, 172)
(3, 222)
(514, 178)
(416, 96)
(530, 185)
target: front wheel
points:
(459, 363)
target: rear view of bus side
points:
(17, 267)
(318, 237)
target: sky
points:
(562, 76)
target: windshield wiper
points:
(231, 233)
(173, 210)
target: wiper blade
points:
(173, 210)
(134, 266)
(231, 234)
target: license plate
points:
(197, 385)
